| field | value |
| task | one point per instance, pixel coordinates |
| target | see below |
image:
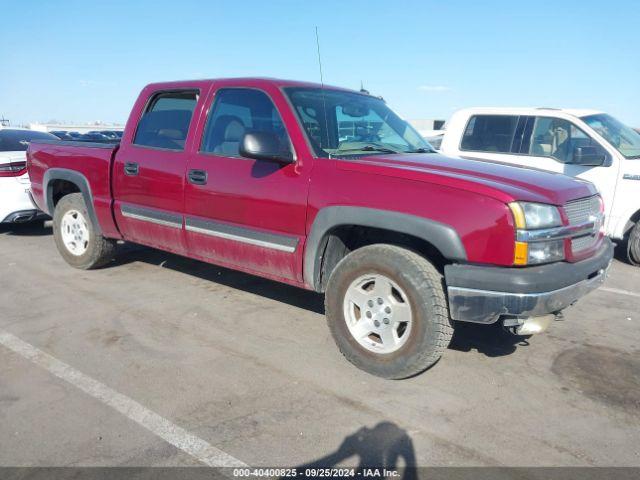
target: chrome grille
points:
(582, 243)
(579, 212)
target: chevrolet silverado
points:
(328, 189)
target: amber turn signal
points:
(521, 253)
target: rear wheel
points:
(76, 237)
(633, 245)
(387, 311)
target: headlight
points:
(536, 216)
(532, 216)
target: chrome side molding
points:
(250, 236)
(158, 217)
(283, 243)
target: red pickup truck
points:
(327, 189)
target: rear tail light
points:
(13, 169)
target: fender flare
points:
(443, 237)
(77, 179)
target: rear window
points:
(166, 120)
(18, 140)
(489, 133)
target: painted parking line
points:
(160, 426)
(620, 291)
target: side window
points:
(489, 133)
(309, 116)
(165, 122)
(556, 138)
(235, 112)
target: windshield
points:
(623, 138)
(341, 124)
(18, 140)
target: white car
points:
(15, 200)
(586, 144)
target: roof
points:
(262, 81)
(574, 112)
(577, 112)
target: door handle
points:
(131, 168)
(197, 177)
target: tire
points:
(91, 250)
(633, 245)
(414, 280)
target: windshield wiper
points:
(375, 148)
(421, 150)
(368, 148)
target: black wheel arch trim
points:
(442, 236)
(77, 179)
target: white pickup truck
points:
(586, 144)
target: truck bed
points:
(91, 160)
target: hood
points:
(500, 181)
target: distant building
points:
(81, 128)
(427, 127)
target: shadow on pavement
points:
(620, 252)
(384, 446)
(273, 290)
(490, 340)
(32, 229)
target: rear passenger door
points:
(149, 171)
(245, 213)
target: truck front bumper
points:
(522, 292)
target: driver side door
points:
(239, 212)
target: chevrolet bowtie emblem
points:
(597, 222)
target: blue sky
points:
(87, 60)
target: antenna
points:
(319, 57)
(324, 103)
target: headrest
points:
(234, 131)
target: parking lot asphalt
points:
(158, 360)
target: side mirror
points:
(589, 156)
(265, 146)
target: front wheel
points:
(387, 311)
(76, 237)
(633, 245)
